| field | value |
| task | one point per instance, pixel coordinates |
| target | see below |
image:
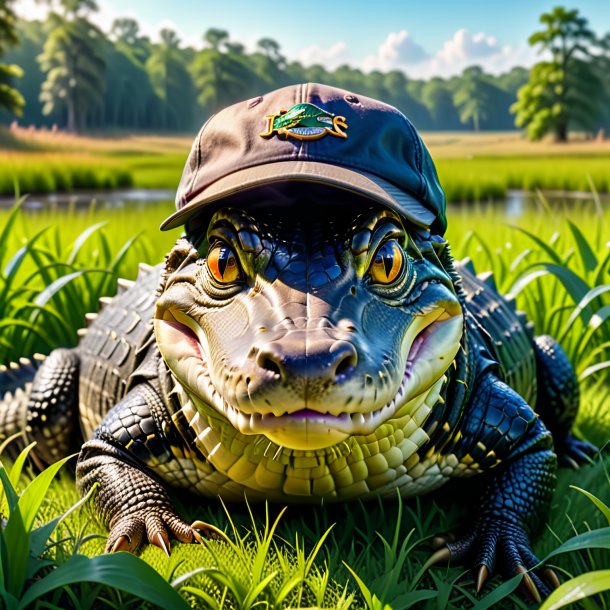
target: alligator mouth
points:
(429, 346)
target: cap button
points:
(352, 99)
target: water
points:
(104, 200)
(515, 205)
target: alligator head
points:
(307, 330)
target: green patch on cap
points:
(305, 122)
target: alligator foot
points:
(128, 531)
(493, 541)
(574, 453)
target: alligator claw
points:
(528, 583)
(552, 579)
(482, 577)
(127, 532)
(443, 539)
(161, 540)
(495, 541)
(203, 530)
(123, 543)
(574, 453)
(441, 556)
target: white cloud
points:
(103, 18)
(329, 57)
(400, 52)
(398, 49)
(465, 46)
(30, 9)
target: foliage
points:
(473, 97)
(138, 94)
(73, 61)
(10, 98)
(384, 544)
(566, 90)
(26, 552)
(170, 81)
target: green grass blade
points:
(50, 291)
(581, 306)
(40, 536)
(9, 491)
(407, 600)
(120, 570)
(499, 593)
(81, 240)
(605, 510)
(208, 599)
(594, 368)
(523, 281)
(34, 494)
(8, 226)
(587, 256)
(257, 590)
(19, 463)
(575, 286)
(546, 248)
(578, 588)
(595, 539)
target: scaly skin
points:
(307, 377)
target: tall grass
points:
(472, 167)
(481, 179)
(50, 173)
(558, 272)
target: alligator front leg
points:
(502, 434)
(122, 457)
(558, 400)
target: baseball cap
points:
(312, 133)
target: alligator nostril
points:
(267, 363)
(345, 367)
(345, 359)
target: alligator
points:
(307, 345)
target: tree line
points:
(67, 72)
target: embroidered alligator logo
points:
(305, 122)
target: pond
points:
(516, 204)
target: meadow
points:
(555, 260)
(472, 167)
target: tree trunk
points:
(561, 131)
(71, 122)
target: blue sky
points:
(422, 37)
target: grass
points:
(56, 172)
(557, 271)
(472, 167)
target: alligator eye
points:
(222, 264)
(387, 263)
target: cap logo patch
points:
(305, 122)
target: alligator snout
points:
(321, 360)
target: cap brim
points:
(357, 182)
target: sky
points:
(423, 38)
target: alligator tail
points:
(15, 385)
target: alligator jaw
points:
(428, 348)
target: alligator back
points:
(114, 345)
(508, 335)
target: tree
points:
(10, 98)
(221, 79)
(215, 38)
(271, 49)
(171, 82)
(565, 91)
(73, 61)
(437, 98)
(473, 97)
